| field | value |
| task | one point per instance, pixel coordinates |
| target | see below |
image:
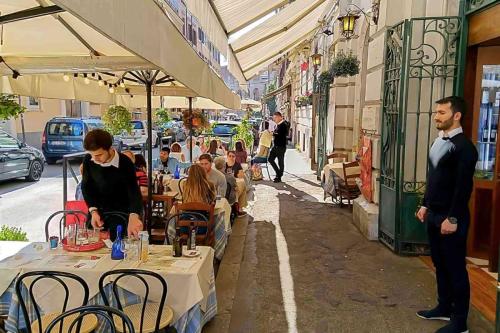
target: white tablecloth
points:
(186, 286)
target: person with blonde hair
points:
(197, 188)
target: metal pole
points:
(22, 128)
(150, 151)
(191, 129)
(65, 181)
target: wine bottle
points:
(493, 132)
(192, 238)
(161, 188)
(155, 185)
(116, 248)
(177, 245)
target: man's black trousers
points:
(278, 152)
(448, 255)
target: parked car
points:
(139, 135)
(19, 160)
(225, 127)
(175, 129)
(63, 135)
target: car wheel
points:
(51, 160)
(36, 170)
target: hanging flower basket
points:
(344, 65)
(197, 120)
(325, 78)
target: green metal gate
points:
(322, 112)
(420, 68)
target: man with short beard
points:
(452, 160)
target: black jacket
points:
(449, 183)
(110, 188)
(280, 135)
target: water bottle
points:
(116, 249)
(177, 173)
(192, 238)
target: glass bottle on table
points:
(117, 247)
(177, 244)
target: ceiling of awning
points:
(277, 35)
(237, 14)
(80, 36)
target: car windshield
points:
(225, 129)
(93, 126)
(6, 141)
(65, 129)
(137, 125)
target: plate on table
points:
(191, 253)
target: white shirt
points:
(442, 145)
(196, 153)
(115, 161)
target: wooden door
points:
(485, 226)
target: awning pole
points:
(191, 129)
(148, 84)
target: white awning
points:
(279, 34)
(236, 14)
(274, 37)
(81, 36)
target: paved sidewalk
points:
(340, 282)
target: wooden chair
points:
(104, 313)
(41, 322)
(337, 157)
(147, 316)
(76, 216)
(186, 220)
(348, 189)
(162, 203)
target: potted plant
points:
(344, 65)
(325, 78)
(117, 119)
(197, 120)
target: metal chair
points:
(79, 216)
(186, 215)
(77, 315)
(142, 315)
(208, 238)
(41, 323)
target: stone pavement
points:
(298, 264)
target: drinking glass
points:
(129, 248)
(70, 234)
(82, 236)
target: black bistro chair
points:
(62, 216)
(41, 322)
(75, 316)
(146, 316)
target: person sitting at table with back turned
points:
(235, 168)
(214, 150)
(176, 152)
(214, 176)
(231, 195)
(167, 163)
(240, 152)
(109, 184)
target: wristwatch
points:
(453, 220)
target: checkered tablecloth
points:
(190, 322)
(221, 235)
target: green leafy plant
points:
(117, 119)
(271, 102)
(244, 133)
(325, 78)
(162, 116)
(344, 65)
(9, 107)
(198, 120)
(12, 234)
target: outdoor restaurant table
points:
(331, 175)
(190, 281)
(222, 229)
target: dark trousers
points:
(448, 256)
(278, 152)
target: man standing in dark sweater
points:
(280, 135)
(452, 160)
(109, 184)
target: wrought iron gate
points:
(322, 112)
(420, 68)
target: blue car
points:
(64, 135)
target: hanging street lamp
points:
(347, 24)
(316, 59)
